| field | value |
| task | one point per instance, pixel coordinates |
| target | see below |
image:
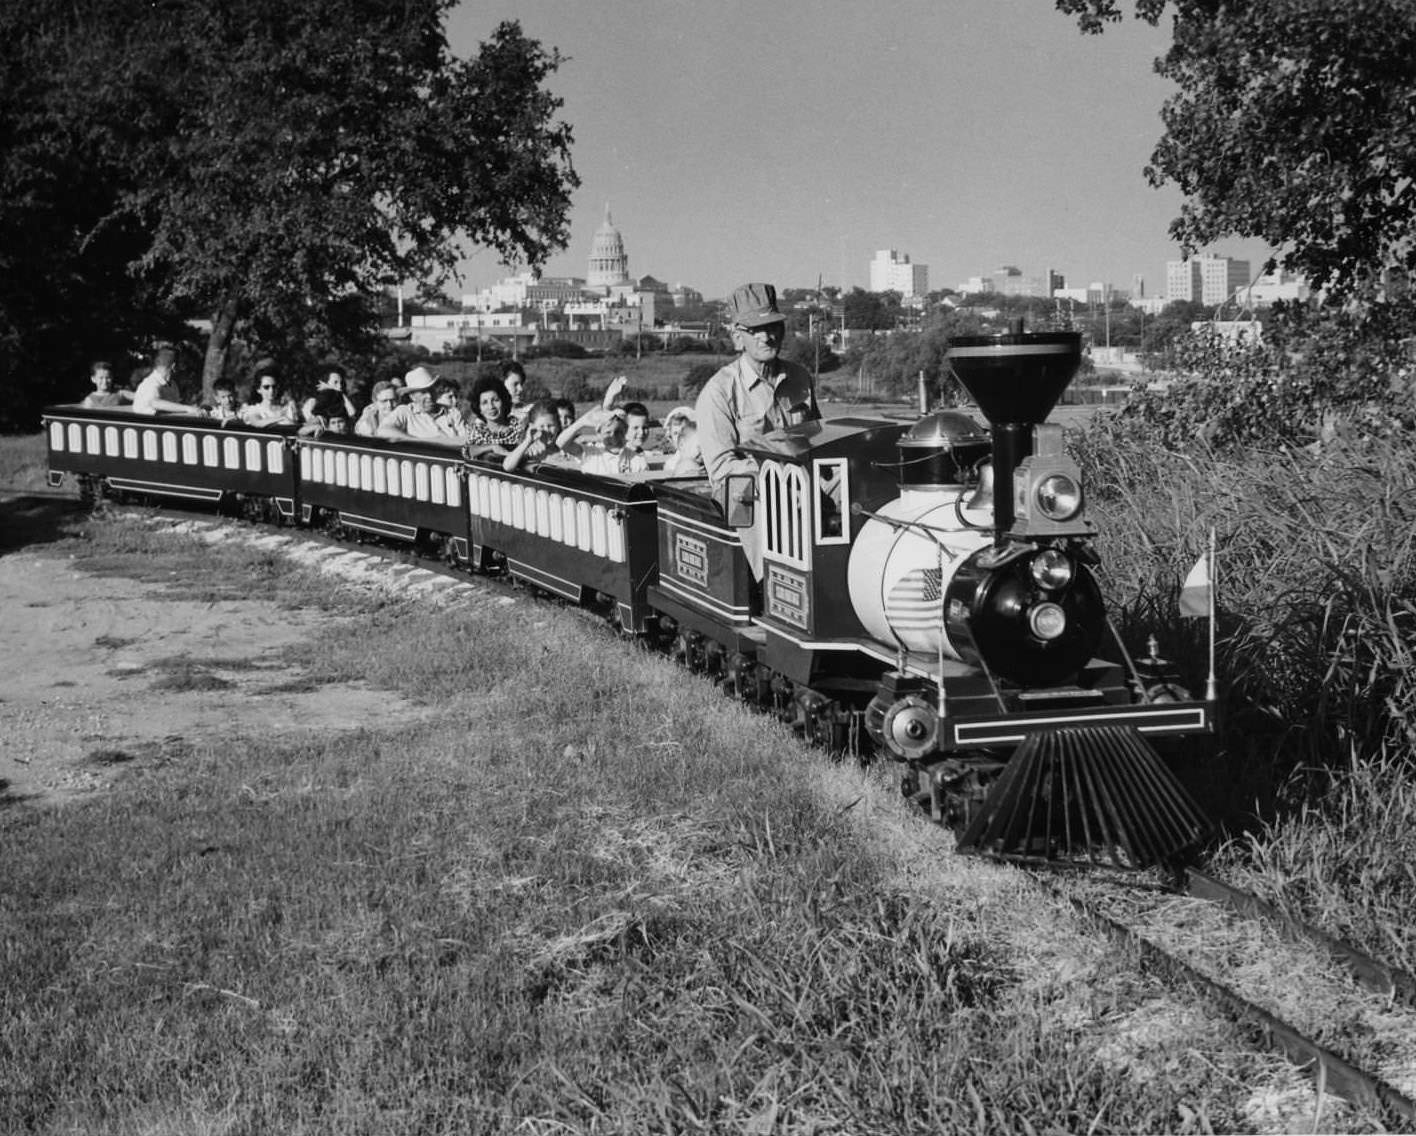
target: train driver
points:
(756, 393)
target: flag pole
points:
(1210, 684)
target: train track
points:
(1124, 911)
(1348, 1020)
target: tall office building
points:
(1208, 279)
(892, 272)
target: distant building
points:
(891, 271)
(1205, 279)
(1272, 287)
(976, 285)
(1010, 280)
(684, 296)
(526, 290)
(608, 302)
(1097, 292)
(609, 263)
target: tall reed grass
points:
(1317, 620)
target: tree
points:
(272, 165)
(871, 311)
(1294, 122)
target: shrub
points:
(562, 349)
(1313, 368)
(695, 380)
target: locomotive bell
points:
(941, 450)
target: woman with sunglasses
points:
(270, 407)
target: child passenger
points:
(687, 459)
(223, 402)
(615, 459)
(539, 444)
(103, 394)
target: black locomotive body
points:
(924, 591)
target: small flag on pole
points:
(1195, 591)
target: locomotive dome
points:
(941, 449)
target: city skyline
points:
(787, 143)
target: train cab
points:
(817, 486)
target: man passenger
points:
(157, 391)
(420, 418)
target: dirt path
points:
(101, 671)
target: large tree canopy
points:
(1294, 122)
(269, 165)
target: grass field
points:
(587, 895)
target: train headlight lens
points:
(1051, 569)
(1059, 498)
(1047, 621)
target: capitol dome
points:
(609, 263)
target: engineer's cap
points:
(754, 305)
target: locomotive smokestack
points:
(1016, 378)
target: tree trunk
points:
(223, 323)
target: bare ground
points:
(103, 671)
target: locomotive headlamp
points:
(1051, 569)
(1059, 498)
(1047, 621)
(1047, 490)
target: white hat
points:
(419, 378)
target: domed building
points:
(609, 263)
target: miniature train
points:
(926, 590)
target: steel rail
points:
(1370, 973)
(1329, 1070)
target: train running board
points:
(1088, 794)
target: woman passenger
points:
(269, 407)
(492, 424)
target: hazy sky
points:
(739, 141)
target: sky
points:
(786, 142)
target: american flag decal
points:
(914, 603)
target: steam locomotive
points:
(926, 591)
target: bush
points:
(1313, 368)
(697, 377)
(562, 349)
(578, 388)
